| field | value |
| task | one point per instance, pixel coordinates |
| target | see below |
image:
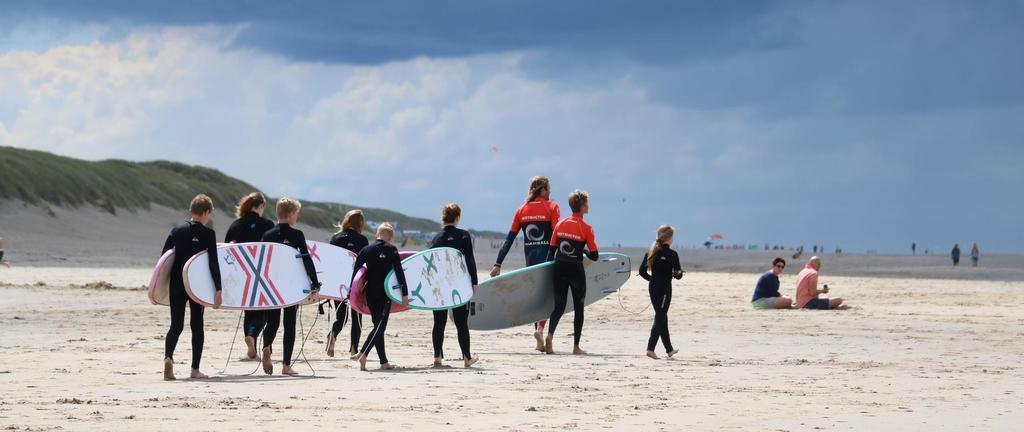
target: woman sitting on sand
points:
(453, 237)
(663, 264)
(766, 293)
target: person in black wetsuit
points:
(453, 237)
(536, 218)
(187, 240)
(569, 238)
(380, 258)
(250, 227)
(348, 237)
(659, 266)
(287, 215)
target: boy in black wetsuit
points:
(380, 258)
(568, 241)
(189, 239)
(350, 237)
(453, 237)
(250, 227)
(287, 215)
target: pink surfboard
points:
(160, 283)
(356, 298)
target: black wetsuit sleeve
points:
(643, 269)
(211, 254)
(511, 238)
(677, 269)
(551, 254)
(592, 255)
(307, 261)
(399, 273)
(231, 235)
(470, 259)
(169, 243)
(355, 267)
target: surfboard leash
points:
(302, 347)
(232, 348)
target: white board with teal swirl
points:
(438, 279)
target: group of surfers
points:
(546, 237)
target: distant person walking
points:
(5, 263)
(913, 248)
(658, 267)
(975, 255)
(955, 254)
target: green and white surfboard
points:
(437, 279)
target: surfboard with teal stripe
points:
(437, 279)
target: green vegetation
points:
(43, 179)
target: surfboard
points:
(333, 268)
(357, 299)
(254, 276)
(526, 296)
(437, 280)
(160, 283)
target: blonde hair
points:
(352, 220)
(577, 199)
(385, 228)
(537, 184)
(664, 233)
(200, 205)
(450, 213)
(249, 202)
(287, 207)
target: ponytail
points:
(249, 202)
(537, 185)
(664, 233)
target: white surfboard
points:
(254, 276)
(437, 279)
(160, 283)
(333, 268)
(526, 295)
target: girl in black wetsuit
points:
(187, 240)
(659, 266)
(250, 227)
(349, 237)
(380, 258)
(453, 237)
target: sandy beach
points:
(912, 354)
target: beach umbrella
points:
(716, 236)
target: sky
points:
(863, 125)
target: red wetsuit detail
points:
(570, 236)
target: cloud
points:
(785, 123)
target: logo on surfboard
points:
(254, 260)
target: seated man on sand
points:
(807, 289)
(766, 293)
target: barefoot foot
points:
(470, 361)
(652, 355)
(330, 345)
(673, 352)
(168, 370)
(548, 346)
(540, 341)
(387, 366)
(268, 367)
(362, 361)
(287, 370)
(577, 350)
(437, 363)
(250, 344)
(198, 375)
